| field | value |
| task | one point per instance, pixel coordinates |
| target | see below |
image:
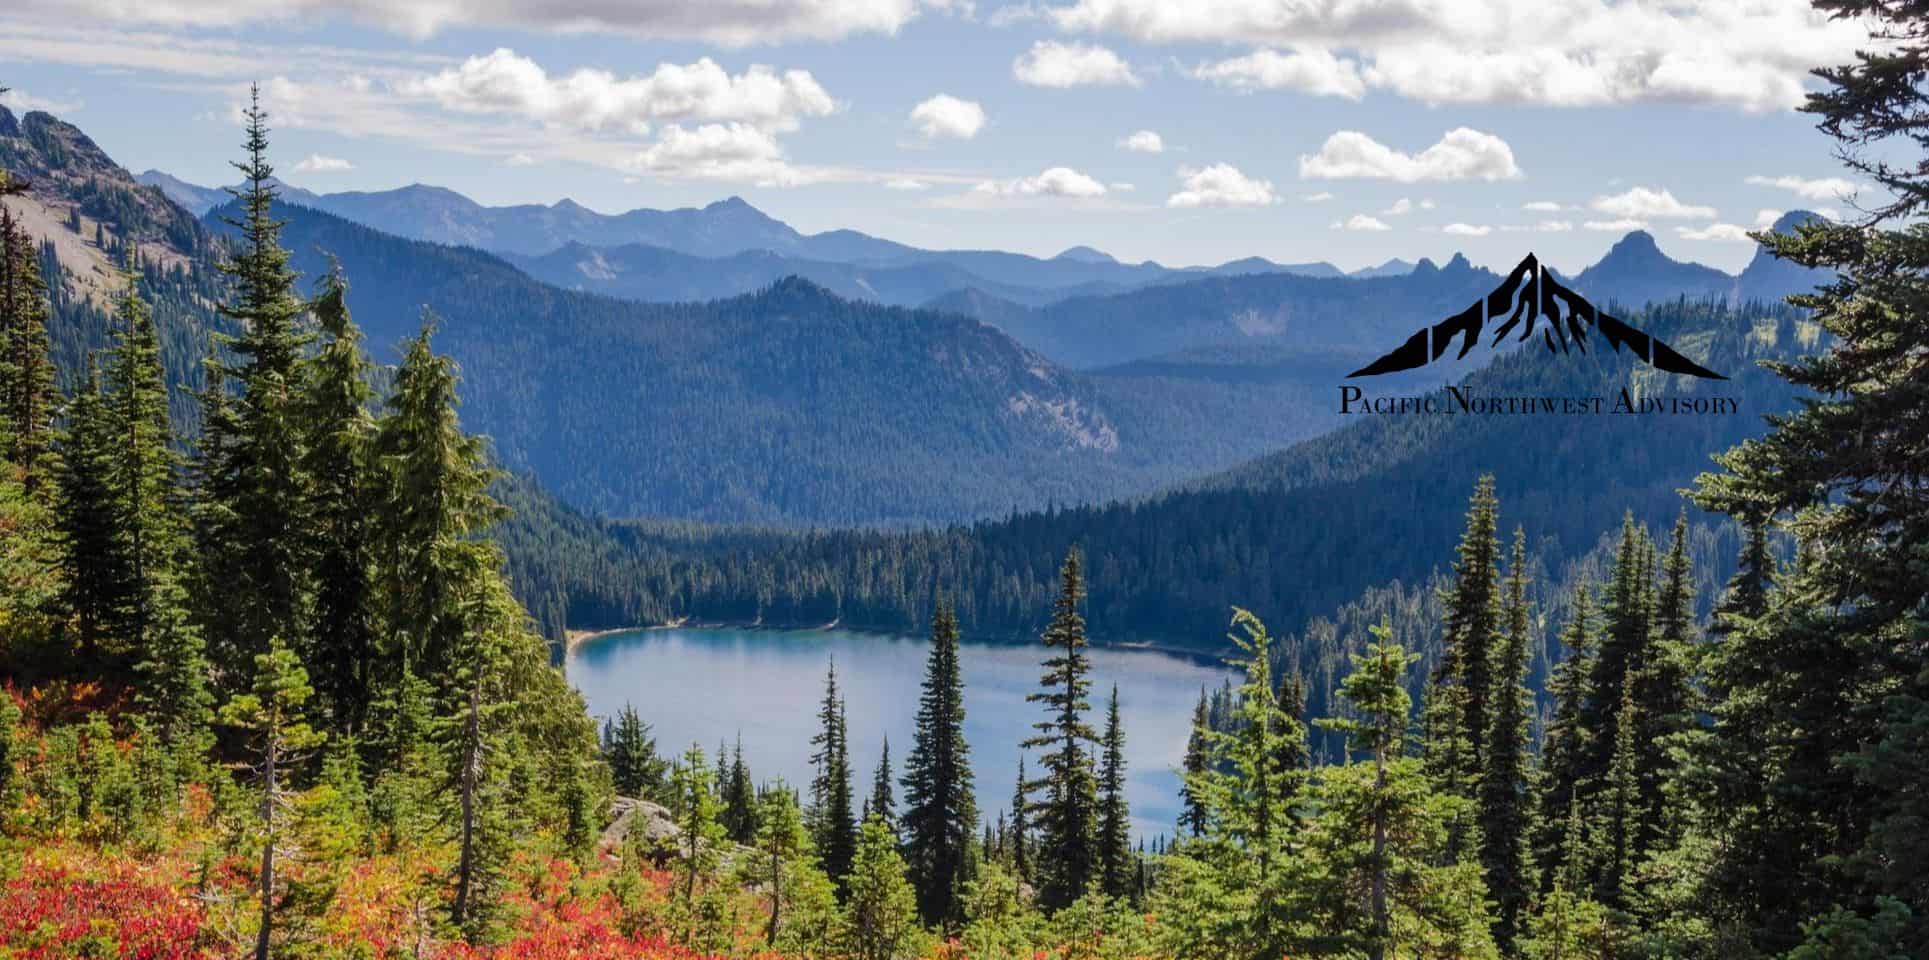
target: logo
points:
(1527, 297)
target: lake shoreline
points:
(574, 638)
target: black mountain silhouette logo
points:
(1528, 296)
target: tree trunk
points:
(1380, 925)
(776, 897)
(471, 773)
(269, 787)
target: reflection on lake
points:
(708, 685)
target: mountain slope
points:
(1635, 271)
(1769, 279)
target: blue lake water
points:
(708, 684)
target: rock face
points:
(652, 820)
(1770, 279)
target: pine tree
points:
(1747, 593)
(1504, 813)
(940, 809)
(739, 798)
(339, 436)
(635, 769)
(1068, 816)
(1192, 811)
(1565, 746)
(833, 827)
(271, 714)
(1115, 871)
(881, 803)
(880, 907)
(92, 558)
(261, 525)
(1618, 817)
(1621, 652)
(781, 842)
(700, 836)
(28, 397)
(1464, 676)
(1021, 840)
(1662, 692)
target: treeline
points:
(302, 598)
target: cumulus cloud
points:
(1221, 185)
(1054, 182)
(506, 82)
(1467, 230)
(318, 163)
(1618, 226)
(1542, 206)
(1360, 221)
(728, 22)
(1052, 64)
(1400, 207)
(1726, 232)
(1817, 188)
(1641, 203)
(717, 151)
(947, 116)
(1563, 53)
(1313, 70)
(1144, 141)
(1462, 154)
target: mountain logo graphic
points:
(1528, 296)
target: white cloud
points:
(1313, 70)
(1542, 206)
(1320, 197)
(1555, 52)
(595, 100)
(1818, 188)
(1462, 154)
(1054, 182)
(1618, 226)
(519, 160)
(1554, 226)
(24, 102)
(1426, 204)
(947, 116)
(1052, 64)
(1466, 230)
(1360, 221)
(1400, 207)
(1144, 141)
(729, 23)
(1122, 187)
(318, 163)
(717, 151)
(1727, 232)
(1766, 218)
(1646, 203)
(1221, 185)
(905, 183)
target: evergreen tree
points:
(880, 907)
(1115, 873)
(700, 836)
(339, 435)
(1504, 813)
(1192, 810)
(881, 803)
(630, 751)
(1621, 652)
(1388, 886)
(1662, 693)
(782, 844)
(1067, 818)
(1564, 745)
(1619, 809)
(92, 558)
(739, 799)
(1747, 593)
(271, 715)
(260, 538)
(28, 397)
(833, 827)
(940, 809)
(1021, 841)
(1464, 677)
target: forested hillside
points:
(1290, 536)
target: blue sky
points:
(1341, 130)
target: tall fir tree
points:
(1746, 595)
(832, 817)
(1115, 860)
(882, 803)
(92, 558)
(940, 809)
(1565, 746)
(28, 397)
(1463, 683)
(1504, 816)
(1067, 817)
(1192, 808)
(636, 770)
(739, 798)
(258, 547)
(1623, 649)
(342, 505)
(272, 715)
(1020, 840)
(1664, 694)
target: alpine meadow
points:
(396, 571)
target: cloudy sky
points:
(1196, 132)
